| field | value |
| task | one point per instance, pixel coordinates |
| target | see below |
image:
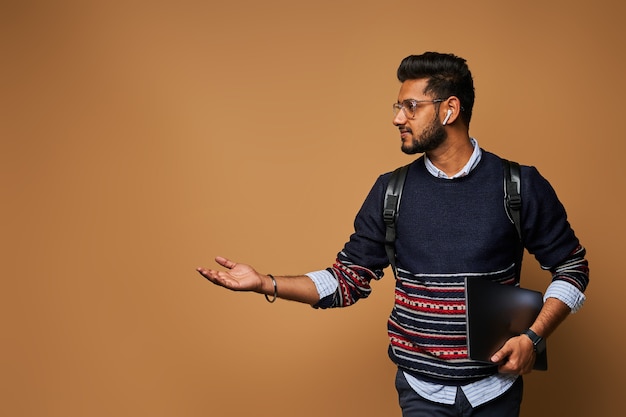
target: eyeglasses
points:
(409, 106)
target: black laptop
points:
(497, 312)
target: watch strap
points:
(534, 338)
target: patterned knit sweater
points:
(448, 230)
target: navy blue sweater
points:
(448, 230)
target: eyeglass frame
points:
(396, 107)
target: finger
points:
(207, 273)
(219, 278)
(506, 368)
(226, 263)
(500, 355)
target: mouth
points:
(405, 132)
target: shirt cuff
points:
(324, 281)
(567, 293)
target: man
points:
(452, 224)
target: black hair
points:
(447, 75)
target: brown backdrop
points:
(140, 139)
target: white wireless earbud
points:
(448, 114)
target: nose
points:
(400, 118)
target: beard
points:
(431, 138)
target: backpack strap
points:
(390, 212)
(513, 200)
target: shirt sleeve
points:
(567, 293)
(325, 282)
(570, 279)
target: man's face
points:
(421, 131)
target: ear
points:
(450, 110)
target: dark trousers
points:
(506, 405)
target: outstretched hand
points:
(237, 277)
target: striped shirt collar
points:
(471, 164)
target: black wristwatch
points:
(539, 343)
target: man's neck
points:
(452, 155)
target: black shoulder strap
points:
(512, 196)
(513, 200)
(390, 212)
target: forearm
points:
(570, 279)
(565, 295)
(552, 314)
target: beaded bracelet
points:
(275, 289)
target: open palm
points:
(237, 277)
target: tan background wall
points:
(140, 139)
